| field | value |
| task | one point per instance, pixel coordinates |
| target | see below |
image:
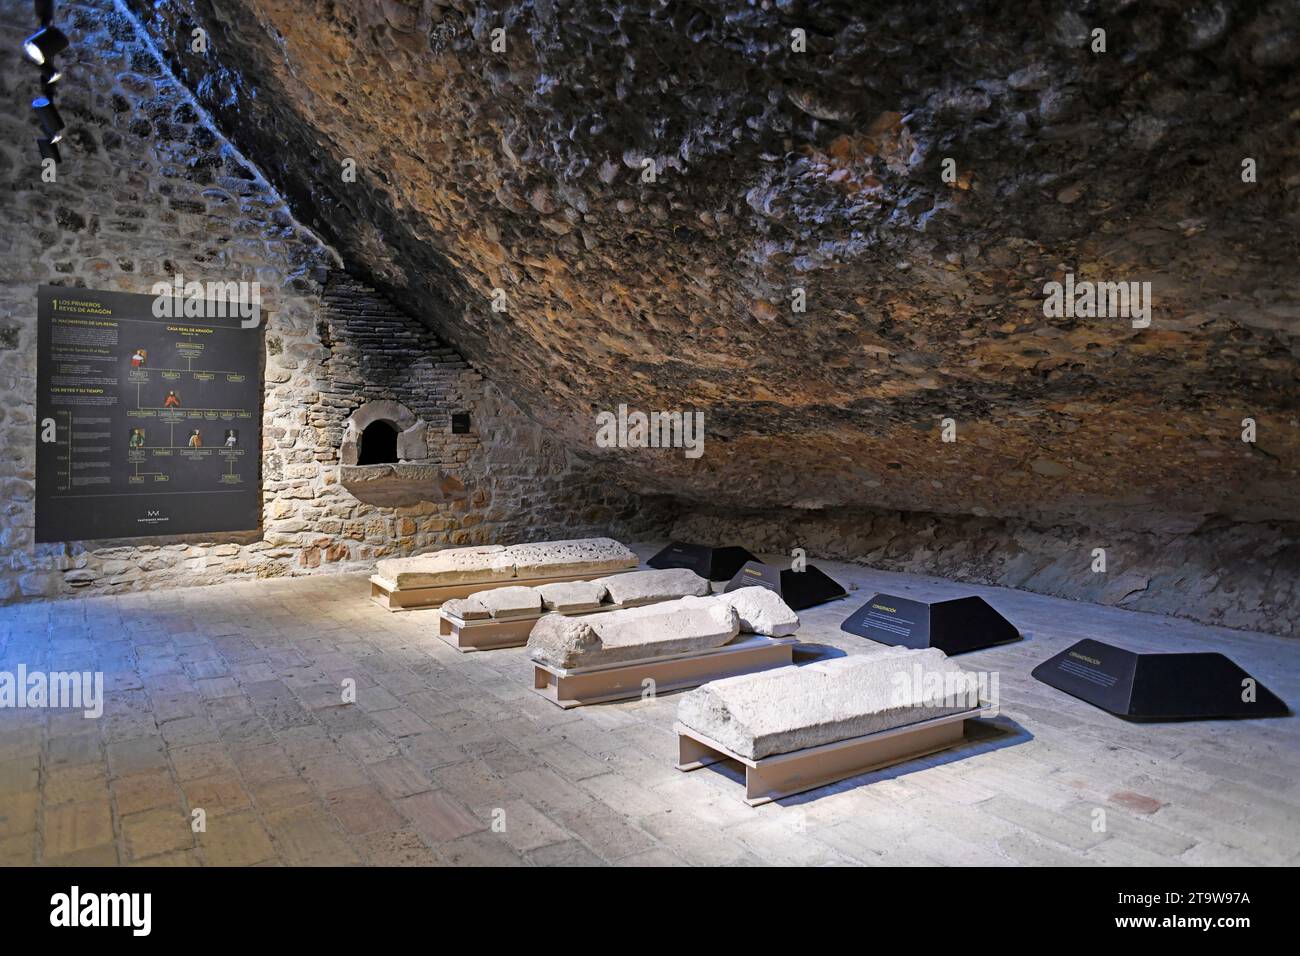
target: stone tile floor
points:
(228, 698)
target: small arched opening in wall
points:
(383, 432)
(377, 444)
(385, 459)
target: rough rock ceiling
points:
(821, 170)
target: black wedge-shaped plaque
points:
(716, 564)
(955, 627)
(799, 589)
(1191, 686)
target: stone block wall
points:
(375, 353)
(148, 189)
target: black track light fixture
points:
(49, 118)
(41, 48)
(44, 44)
(48, 147)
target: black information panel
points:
(954, 626)
(798, 589)
(1182, 686)
(891, 620)
(716, 564)
(145, 426)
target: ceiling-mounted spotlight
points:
(49, 118)
(49, 148)
(44, 12)
(45, 43)
(50, 74)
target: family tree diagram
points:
(185, 412)
(146, 425)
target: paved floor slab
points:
(312, 727)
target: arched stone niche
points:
(412, 443)
(409, 480)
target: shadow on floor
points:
(982, 736)
(811, 653)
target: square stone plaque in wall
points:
(460, 423)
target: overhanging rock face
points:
(781, 174)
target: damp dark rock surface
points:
(775, 171)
